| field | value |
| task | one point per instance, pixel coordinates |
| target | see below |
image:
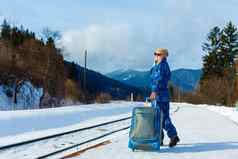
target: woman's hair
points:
(163, 51)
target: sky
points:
(123, 34)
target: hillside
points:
(97, 83)
(33, 74)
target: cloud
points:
(109, 47)
(123, 34)
(122, 46)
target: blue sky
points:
(123, 34)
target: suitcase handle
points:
(150, 102)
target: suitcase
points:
(145, 130)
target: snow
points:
(28, 97)
(51, 145)
(231, 113)
(4, 100)
(128, 77)
(25, 124)
(228, 112)
(205, 131)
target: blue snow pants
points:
(167, 123)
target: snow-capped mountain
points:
(185, 79)
(131, 77)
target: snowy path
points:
(203, 133)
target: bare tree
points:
(48, 33)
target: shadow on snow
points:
(201, 147)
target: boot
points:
(173, 141)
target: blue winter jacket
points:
(159, 76)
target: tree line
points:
(17, 35)
(218, 81)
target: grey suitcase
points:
(146, 130)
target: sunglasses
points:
(157, 54)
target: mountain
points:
(99, 83)
(185, 79)
(131, 77)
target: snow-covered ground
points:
(26, 124)
(205, 131)
(231, 113)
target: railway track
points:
(58, 143)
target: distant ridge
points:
(185, 79)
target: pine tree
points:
(16, 37)
(221, 47)
(50, 42)
(218, 63)
(211, 65)
(6, 30)
(229, 44)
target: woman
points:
(160, 75)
